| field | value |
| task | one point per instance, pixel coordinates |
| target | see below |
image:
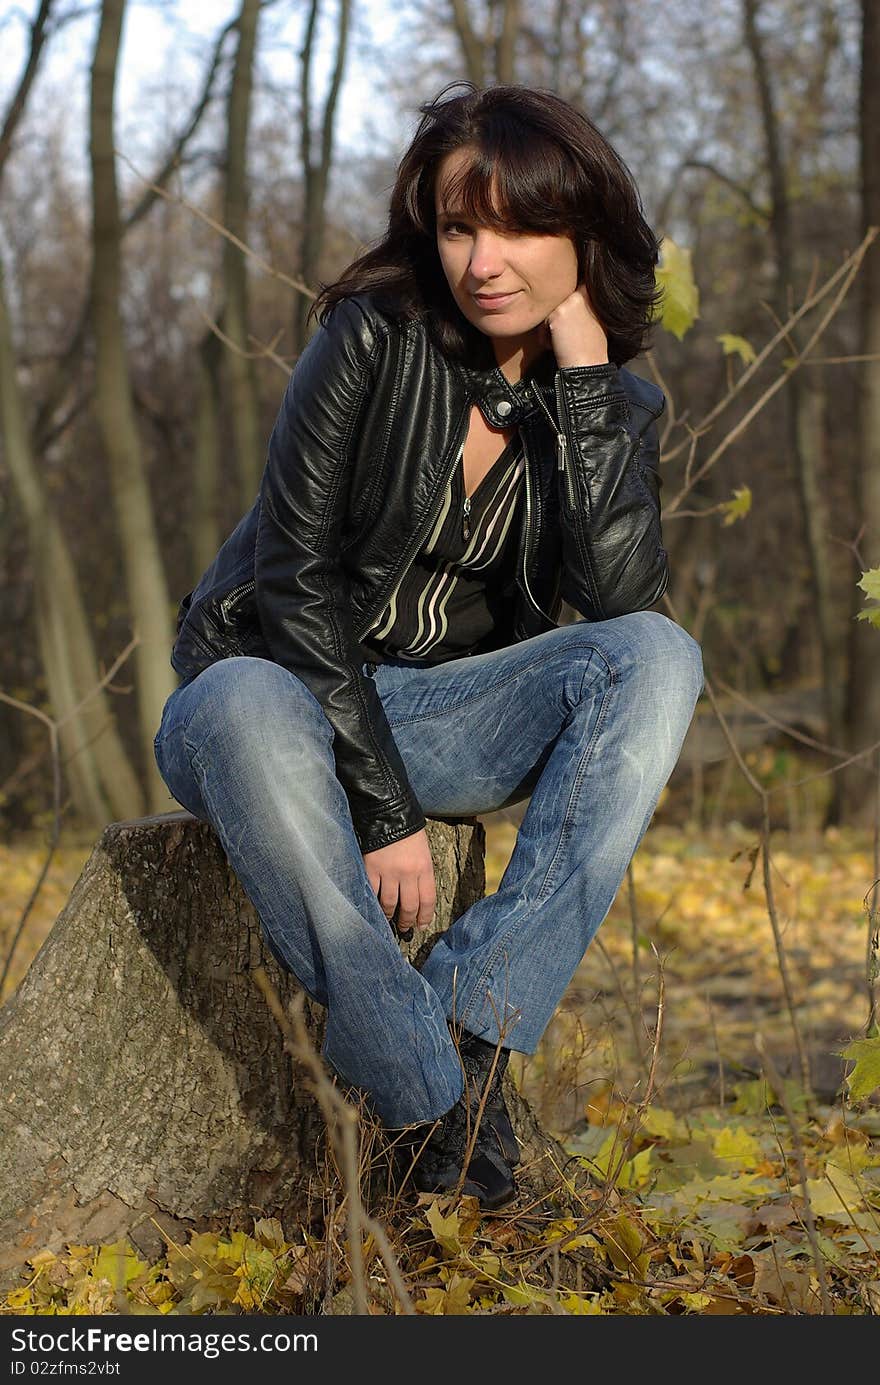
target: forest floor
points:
(699, 1205)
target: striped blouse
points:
(455, 597)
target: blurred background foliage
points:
(143, 354)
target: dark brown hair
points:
(552, 173)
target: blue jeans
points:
(587, 719)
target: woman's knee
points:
(643, 648)
(246, 699)
(663, 646)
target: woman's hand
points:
(403, 874)
(575, 333)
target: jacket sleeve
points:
(613, 559)
(302, 591)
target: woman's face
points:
(531, 273)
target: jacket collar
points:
(502, 404)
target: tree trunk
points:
(101, 780)
(205, 536)
(473, 47)
(505, 55)
(803, 413)
(316, 175)
(863, 684)
(142, 1075)
(488, 51)
(249, 446)
(148, 598)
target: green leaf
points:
(732, 344)
(870, 583)
(680, 304)
(739, 506)
(865, 1076)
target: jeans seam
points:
(491, 692)
(509, 935)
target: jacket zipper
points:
(466, 518)
(233, 596)
(558, 426)
(420, 536)
(528, 524)
(562, 443)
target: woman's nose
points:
(487, 258)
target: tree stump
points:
(144, 1083)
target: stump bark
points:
(144, 1084)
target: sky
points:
(165, 47)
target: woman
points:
(460, 449)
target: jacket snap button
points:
(503, 407)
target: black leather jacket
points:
(364, 444)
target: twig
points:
(339, 1116)
(846, 272)
(764, 797)
(872, 942)
(778, 1086)
(221, 230)
(263, 351)
(582, 1226)
(634, 932)
(714, 1029)
(54, 836)
(781, 957)
(633, 1014)
(53, 726)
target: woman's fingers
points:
(427, 901)
(402, 876)
(409, 903)
(388, 895)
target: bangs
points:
(527, 162)
(517, 184)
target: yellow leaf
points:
(738, 507)
(732, 344)
(268, 1231)
(738, 1146)
(118, 1264)
(865, 1053)
(835, 1196)
(562, 1227)
(525, 1296)
(665, 1125)
(580, 1306)
(453, 1301)
(696, 1302)
(623, 1238)
(445, 1230)
(680, 304)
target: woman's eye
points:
(452, 226)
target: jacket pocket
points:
(235, 614)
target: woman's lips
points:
(494, 300)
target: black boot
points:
(477, 1055)
(438, 1166)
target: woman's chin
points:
(499, 326)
